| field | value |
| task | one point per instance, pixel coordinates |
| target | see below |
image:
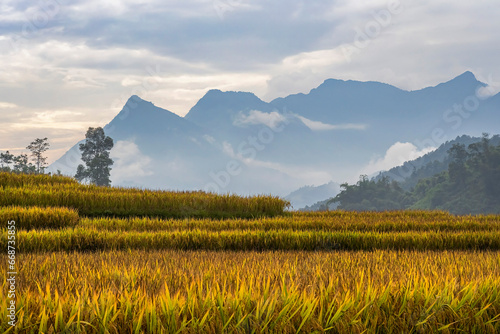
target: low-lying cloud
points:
(129, 162)
(256, 117)
(320, 126)
(396, 155)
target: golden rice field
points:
(258, 292)
(89, 200)
(116, 260)
(30, 218)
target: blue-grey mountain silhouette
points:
(235, 142)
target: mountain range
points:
(235, 142)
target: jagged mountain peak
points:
(135, 103)
(139, 116)
(361, 87)
(466, 78)
(467, 75)
(216, 95)
(140, 107)
(333, 82)
(463, 82)
(217, 106)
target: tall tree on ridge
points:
(37, 148)
(95, 154)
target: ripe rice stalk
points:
(84, 292)
(96, 201)
(378, 222)
(79, 239)
(28, 218)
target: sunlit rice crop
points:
(38, 218)
(118, 260)
(299, 221)
(79, 239)
(89, 200)
(30, 180)
(269, 292)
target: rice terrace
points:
(249, 167)
(121, 260)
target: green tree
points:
(6, 158)
(457, 170)
(486, 160)
(95, 155)
(21, 164)
(371, 195)
(37, 148)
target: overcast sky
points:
(68, 65)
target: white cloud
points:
(223, 8)
(127, 82)
(320, 126)
(396, 155)
(129, 162)
(389, 56)
(51, 120)
(7, 105)
(256, 117)
(492, 85)
(88, 54)
(227, 148)
(57, 115)
(209, 139)
(302, 175)
(314, 60)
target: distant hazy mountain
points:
(155, 148)
(404, 115)
(235, 142)
(219, 109)
(149, 140)
(308, 195)
(323, 205)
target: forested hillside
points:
(429, 164)
(469, 185)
